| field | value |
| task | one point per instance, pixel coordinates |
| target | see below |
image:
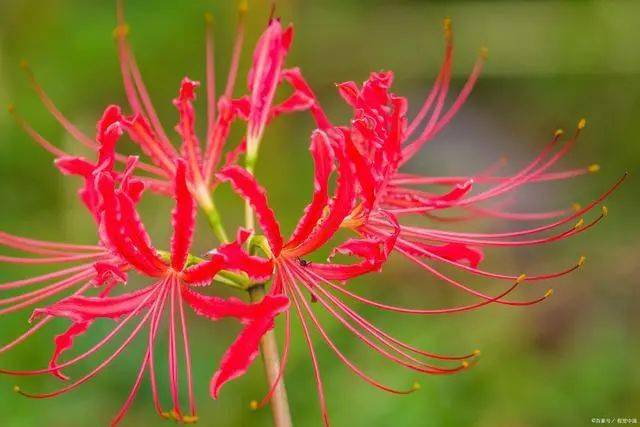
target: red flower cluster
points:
(371, 198)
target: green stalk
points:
(268, 344)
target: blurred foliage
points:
(559, 363)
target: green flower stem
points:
(213, 217)
(268, 344)
(203, 196)
(271, 361)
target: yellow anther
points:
(582, 123)
(476, 352)
(446, 26)
(243, 6)
(24, 64)
(190, 419)
(121, 31)
(576, 206)
(593, 168)
(11, 108)
(169, 415)
(558, 132)
(253, 405)
(605, 211)
(416, 386)
(548, 293)
(579, 224)
(16, 388)
(208, 18)
(465, 364)
(582, 260)
(484, 52)
(521, 278)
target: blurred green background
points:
(561, 363)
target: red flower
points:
(98, 267)
(379, 140)
(371, 197)
(295, 276)
(145, 129)
(125, 236)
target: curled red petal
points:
(114, 232)
(108, 272)
(297, 101)
(264, 76)
(202, 273)
(323, 160)
(244, 349)
(64, 342)
(231, 256)
(247, 187)
(340, 207)
(349, 92)
(109, 131)
(237, 259)
(215, 308)
(450, 251)
(183, 219)
(74, 166)
(293, 76)
(82, 309)
(190, 148)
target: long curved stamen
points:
(43, 278)
(187, 356)
(578, 228)
(9, 240)
(95, 371)
(153, 331)
(290, 286)
(443, 89)
(463, 95)
(148, 105)
(121, 324)
(173, 356)
(32, 330)
(465, 288)
(341, 355)
(392, 342)
(55, 112)
(49, 291)
(211, 75)
(415, 311)
(426, 106)
(57, 152)
(480, 272)
(59, 285)
(49, 260)
(578, 213)
(39, 139)
(523, 177)
(237, 51)
(416, 365)
(132, 394)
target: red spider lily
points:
(145, 129)
(295, 276)
(379, 140)
(369, 153)
(99, 267)
(126, 237)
